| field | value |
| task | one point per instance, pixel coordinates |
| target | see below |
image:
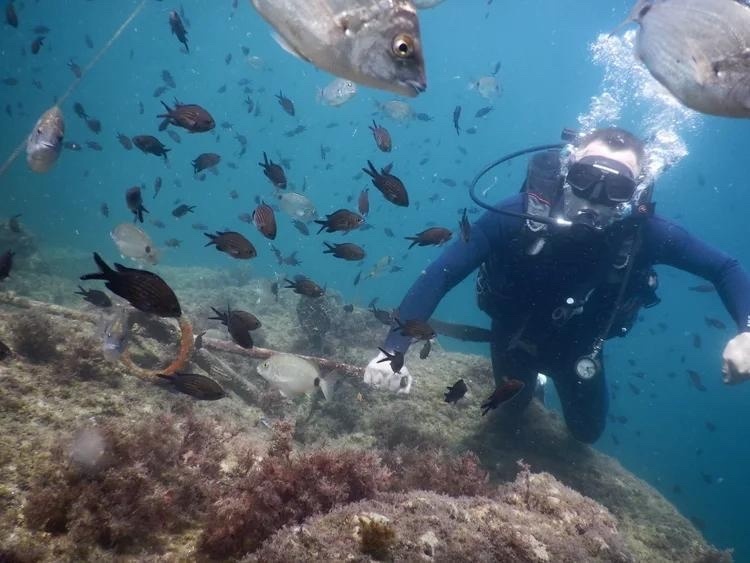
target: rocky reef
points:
(100, 465)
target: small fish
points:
(273, 172)
(363, 202)
(125, 141)
(390, 186)
(232, 243)
(337, 92)
(697, 342)
(199, 386)
(456, 117)
(348, 308)
(94, 146)
(286, 104)
(483, 112)
(6, 264)
(76, 69)
(239, 325)
(149, 144)
(456, 391)
(502, 394)
(294, 376)
(710, 426)
(80, 111)
(178, 29)
(205, 160)
(168, 79)
(275, 291)
(182, 210)
(95, 297)
(703, 288)
(88, 41)
(36, 44)
(424, 352)
(115, 332)
(104, 209)
(382, 315)
(134, 201)
(464, 227)
(264, 220)
(357, 278)
(396, 360)
(695, 380)
(434, 236)
(11, 17)
(715, 323)
(45, 141)
(172, 243)
(414, 328)
(94, 125)
(191, 117)
(340, 220)
(382, 137)
(346, 251)
(144, 290)
(304, 286)
(157, 186)
(376, 44)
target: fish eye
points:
(403, 46)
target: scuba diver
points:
(565, 265)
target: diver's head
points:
(603, 172)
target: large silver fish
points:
(375, 43)
(699, 50)
(45, 142)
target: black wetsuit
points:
(521, 293)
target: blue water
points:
(548, 78)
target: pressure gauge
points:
(587, 367)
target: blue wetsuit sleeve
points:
(674, 246)
(456, 262)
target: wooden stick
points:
(10, 298)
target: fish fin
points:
(105, 272)
(287, 47)
(327, 385)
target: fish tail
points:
(329, 248)
(80, 291)
(387, 355)
(105, 273)
(169, 110)
(212, 237)
(323, 224)
(326, 385)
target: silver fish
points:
(134, 243)
(294, 376)
(699, 50)
(337, 92)
(45, 141)
(375, 43)
(115, 331)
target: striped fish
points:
(265, 220)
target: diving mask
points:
(601, 180)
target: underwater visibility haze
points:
(205, 237)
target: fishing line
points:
(78, 79)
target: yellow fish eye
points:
(403, 46)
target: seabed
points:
(97, 464)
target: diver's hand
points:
(736, 356)
(380, 375)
